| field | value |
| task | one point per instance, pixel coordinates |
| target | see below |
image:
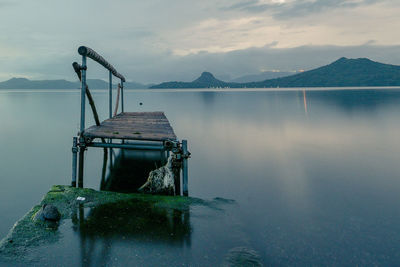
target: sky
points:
(154, 41)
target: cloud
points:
(154, 41)
(166, 66)
(253, 60)
(226, 65)
(7, 4)
(283, 9)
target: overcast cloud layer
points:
(154, 41)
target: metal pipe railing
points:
(87, 52)
(122, 96)
(127, 146)
(83, 91)
(90, 53)
(110, 96)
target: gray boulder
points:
(48, 212)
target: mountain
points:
(23, 83)
(206, 80)
(135, 85)
(342, 73)
(262, 76)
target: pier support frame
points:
(179, 150)
(165, 143)
(82, 148)
(185, 156)
(74, 160)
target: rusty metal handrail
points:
(87, 52)
(90, 53)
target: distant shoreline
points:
(282, 89)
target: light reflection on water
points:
(314, 173)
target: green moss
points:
(27, 234)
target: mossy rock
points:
(28, 234)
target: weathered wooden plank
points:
(152, 126)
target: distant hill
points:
(262, 76)
(135, 85)
(206, 80)
(341, 73)
(23, 83)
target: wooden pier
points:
(126, 130)
(150, 126)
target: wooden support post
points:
(185, 168)
(74, 160)
(81, 163)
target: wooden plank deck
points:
(152, 126)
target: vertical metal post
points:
(111, 158)
(110, 104)
(81, 163)
(83, 97)
(122, 96)
(185, 168)
(74, 160)
(110, 94)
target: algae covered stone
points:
(48, 212)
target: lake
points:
(314, 175)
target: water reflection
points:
(349, 100)
(305, 102)
(129, 169)
(101, 227)
(131, 221)
(313, 188)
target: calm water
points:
(315, 175)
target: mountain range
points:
(262, 76)
(343, 72)
(23, 83)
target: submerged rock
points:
(160, 181)
(242, 256)
(48, 212)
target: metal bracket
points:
(186, 155)
(82, 143)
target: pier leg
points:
(81, 163)
(185, 168)
(111, 154)
(111, 159)
(74, 160)
(104, 170)
(176, 169)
